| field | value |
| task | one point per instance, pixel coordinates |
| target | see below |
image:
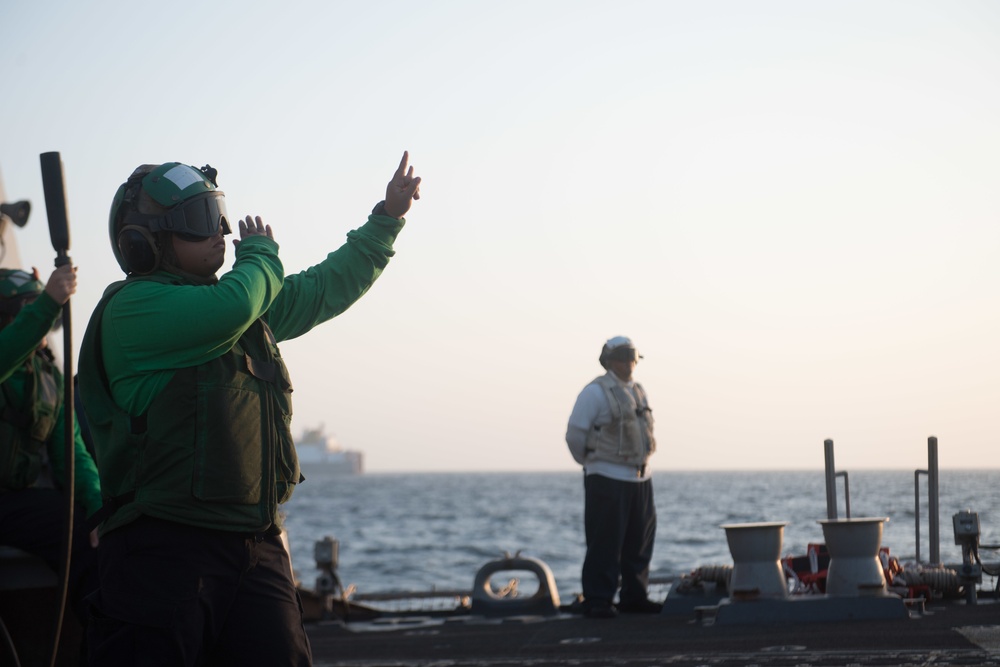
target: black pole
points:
(55, 208)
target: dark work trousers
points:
(34, 520)
(184, 596)
(620, 524)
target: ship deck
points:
(944, 633)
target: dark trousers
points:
(34, 521)
(183, 596)
(620, 524)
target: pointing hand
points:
(402, 190)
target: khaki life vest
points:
(629, 437)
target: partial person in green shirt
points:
(27, 315)
(189, 404)
(32, 433)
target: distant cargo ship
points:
(315, 448)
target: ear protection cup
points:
(137, 247)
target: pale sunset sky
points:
(793, 208)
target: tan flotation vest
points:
(629, 437)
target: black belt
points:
(110, 506)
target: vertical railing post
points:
(916, 510)
(831, 483)
(831, 480)
(933, 498)
(933, 503)
(847, 493)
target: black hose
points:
(9, 643)
(69, 487)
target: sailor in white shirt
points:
(610, 433)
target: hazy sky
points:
(791, 207)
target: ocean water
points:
(427, 531)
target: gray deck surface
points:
(946, 634)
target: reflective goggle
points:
(195, 219)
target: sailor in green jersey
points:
(189, 404)
(32, 431)
(33, 311)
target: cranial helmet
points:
(619, 348)
(170, 197)
(17, 287)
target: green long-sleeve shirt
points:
(21, 337)
(149, 329)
